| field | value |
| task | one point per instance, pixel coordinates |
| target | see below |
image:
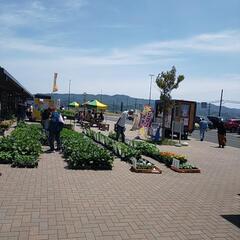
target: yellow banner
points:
(55, 87)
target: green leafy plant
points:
(112, 135)
(122, 150)
(23, 146)
(82, 153)
(145, 148)
(144, 164)
(24, 161)
(186, 166)
(6, 157)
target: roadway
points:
(233, 139)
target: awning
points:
(96, 104)
(74, 104)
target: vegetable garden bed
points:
(154, 170)
(82, 153)
(167, 158)
(124, 152)
(184, 170)
(23, 147)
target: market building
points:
(11, 94)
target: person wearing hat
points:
(120, 125)
(221, 134)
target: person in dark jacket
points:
(221, 134)
(55, 127)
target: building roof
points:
(8, 82)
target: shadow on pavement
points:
(234, 219)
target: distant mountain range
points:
(118, 102)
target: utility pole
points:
(84, 97)
(113, 106)
(121, 108)
(150, 90)
(220, 107)
(209, 109)
(69, 91)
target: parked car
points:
(232, 125)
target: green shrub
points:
(24, 161)
(6, 157)
(22, 147)
(6, 144)
(122, 150)
(82, 153)
(147, 149)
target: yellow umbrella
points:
(97, 104)
(74, 104)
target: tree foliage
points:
(167, 81)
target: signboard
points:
(185, 110)
(146, 116)
(146, 120)
(175, 163)
(39, 106)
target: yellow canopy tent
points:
(96, 104)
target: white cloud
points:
(117, 70)
(36, 13)
(209, 88)
(227, 42)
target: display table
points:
(103, 126)
(86, 124)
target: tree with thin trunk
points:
(167, 81)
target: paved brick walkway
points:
(52, 202)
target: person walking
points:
(203, 126)
(45, 122)
(120, 125)
(55, 127)
(221, 134)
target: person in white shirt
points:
(120, 125)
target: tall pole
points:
(209, 109)
(220, 107)
(150, 90)
(69, 90)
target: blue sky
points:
(113, 45)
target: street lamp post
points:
(69, 92)
(150, 90)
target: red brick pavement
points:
(52, 202)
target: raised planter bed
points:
(184, 170)
(154, 170)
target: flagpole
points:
(55, 88)
(69, 93)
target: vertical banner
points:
(146, 120)
(55, 87)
